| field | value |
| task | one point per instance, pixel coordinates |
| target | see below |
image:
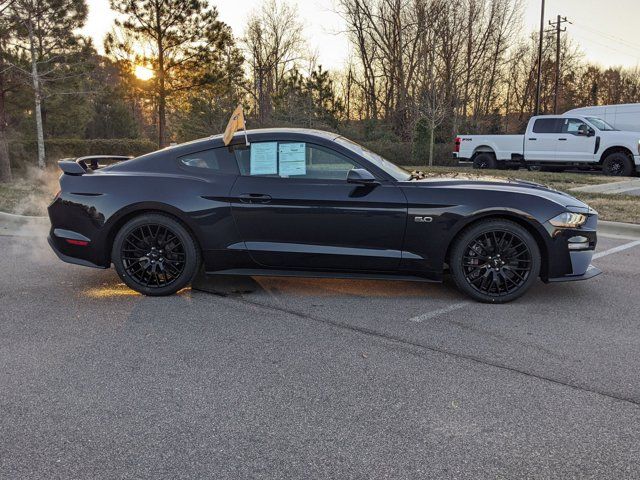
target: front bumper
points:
(570, 252)
(590, 273)
(636, 160)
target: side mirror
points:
(585, 131)
(361, 177)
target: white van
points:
(623, 117)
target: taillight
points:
(457, 145)
(79, 243)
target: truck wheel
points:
(485, 160)
(617, 164)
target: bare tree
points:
(274, 47)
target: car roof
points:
(215, 141)
(239, 136)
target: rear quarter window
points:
(547, 125)
(215, 160)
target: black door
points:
(306, 215)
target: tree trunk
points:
(162, 91)
(431, 141)
(38, 98)
(5, 164)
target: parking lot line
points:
(616, 249)
(440, 311)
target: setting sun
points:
(143, 73)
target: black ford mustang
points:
(309, 203)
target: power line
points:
(609, 47)
(609, 35)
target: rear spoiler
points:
(78, 166)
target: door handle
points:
(254, 198)
(533, 139)
(563, 139)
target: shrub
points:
(409, 154)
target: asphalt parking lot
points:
(309, 378)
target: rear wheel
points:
(155, 255)
(617, 164)
(484, 160)
(495, 261)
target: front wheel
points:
(155, 255)
(495, 261)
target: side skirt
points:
(315, 274)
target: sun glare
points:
(143, 73)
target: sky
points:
(605, 30)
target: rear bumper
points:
(70, 259)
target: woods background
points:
(421, 71)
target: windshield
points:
(601, 124)
(391, 168)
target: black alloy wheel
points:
(617, 164)
(155, 255)
(495, 261)
(484, 160)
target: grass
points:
(31, 192)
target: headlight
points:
(568, 220)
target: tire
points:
(485, 160)
(155, 255)
(534, 168)
(617, 164)
(495, 261)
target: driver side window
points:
(293, 160)
(572, 125)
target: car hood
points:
(498, 184)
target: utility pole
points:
(560, 20)
(537, 111)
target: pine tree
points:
(182, 41)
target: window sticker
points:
(264, 158)
(292, 159)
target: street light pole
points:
(537, 110)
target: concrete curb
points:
(613, 187)
(619, 228)
(22, 225)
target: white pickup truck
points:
(555, 142)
